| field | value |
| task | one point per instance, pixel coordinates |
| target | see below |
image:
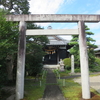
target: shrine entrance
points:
(80, 19)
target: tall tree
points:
(90, 47)
(8, 43)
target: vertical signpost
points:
(21, 61)
(72, 64)
(84, 61)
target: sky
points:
(68, 7)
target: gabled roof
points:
(56, 40)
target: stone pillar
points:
(21, 61)
(72, 64)
(84, 62)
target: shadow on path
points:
(52, 90)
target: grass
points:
(94, 75)
(64, 73)
(69, 90)
(72, 90)
(33, 90)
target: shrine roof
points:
(97, 49)
(56, 40)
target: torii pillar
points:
(21, 61)
(84, 61)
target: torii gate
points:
(80, 19)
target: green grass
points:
(33, 90)
(64, 73)
(73, 91)
(70, 90)
(94, 75)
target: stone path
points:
(52, 90)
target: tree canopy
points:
(9, 33)
(8, 43)
(16, 6)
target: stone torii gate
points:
(80, 19)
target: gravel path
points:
(52, 90)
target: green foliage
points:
(19, 6)
(34, 51)
(77, 70)
(8, 43)
(90, 44)
(67, 63)
(9, 40)
(97, 62)
(73, 91)
(96, 68)
(8, 35)
(34, 54)
(33, 65)
(33, 90)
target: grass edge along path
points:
(34, 90)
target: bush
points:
(97, 62)
(67, 63)
(77, 70)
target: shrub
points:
(67, 63)
(77, 70)
(97, 62)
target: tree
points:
(16, 6)
(10, 51)
(90, 47)
(9, 35)
(8, 44)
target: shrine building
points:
(56, 49)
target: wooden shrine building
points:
(56, 49)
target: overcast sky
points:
(68, 7)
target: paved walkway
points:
(94, 82)
(52, 90)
